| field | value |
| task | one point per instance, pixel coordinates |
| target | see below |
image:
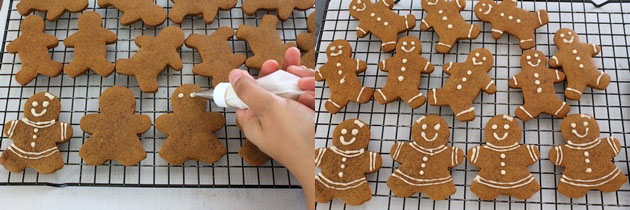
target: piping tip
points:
(207, 94)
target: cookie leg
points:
(171, 154)
(572, 191)
(26, 75)
(559, 108)
(25, 7)
(437, 97)
(209, 14)
(389, 44)
(445, 45)
(574, 89)
(399, 187)
(322, 193)
(148, 84)
(52, 69)
(335, 103)
(463, 112)
(526, 112)
(527, 40)
(74, 69)
(601, 81)
(252, 155)
(132, 153)
(524, 192)
(129, 17)
(484, 192)
(285, 9)
(414, 100)
(48, 165)
(614, 184)
(211, 152)
(363, 95)
(177, 13)
(12, 162)
(439, 192)
(103, 67)
(384, 95)
(357, 195)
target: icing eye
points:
(573, 125)
(354, 7)
(585, 124)
(536, 55)
(562, 35)
(405, 43)
(570, 33)
(355, 131)
(494, 127)
(413, 43)
(484, 4)
(476, 54)
(180, 95)
(192, 95)
(437, 127)
(529, 57)
(35, 104)
(333, 48)
(45, 103)
(344, 131)
(506, 126)
(359, 1)
(484, 58)
(340, 47)
(424, 126)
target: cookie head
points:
(89, 20)
(409, 44)
(33, 24)
(117, 100)
(42, 107)
(357, 7)
(429, 4)
(339, 48)
(533, 58)
(351, 134)
(172, 36)
(481, 58)
(430, 131)
(564, 37)
(484, 8)
(579, 128)
(185, 100)
(502, 130)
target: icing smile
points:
(474, 60)
(505, 135)
(432, 3)
(336, 54)
(489, 10)
(568, 41)
(38, 114)
(408, 50)
(344, 142)
(578, 135)
(534, 65)
(424, 136)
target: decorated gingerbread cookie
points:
(53, 8)
(90, 46)
(145, 10)
(284, 7)
(264, 42)
(379, 19)
(306, 42)
(154, 55)
(576, 60)
(207, 8)
(443, 16)
(586, 158)
(217, 57)
(507, 17)
(190, 129)
(537, 84)
(404, 70)
(503, 162)
(340, 73)
(32, 46)
(425, 162)
(466, 81)
(36, 136)
(115, 130)
(344, 165)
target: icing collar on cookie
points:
(428, 151)
(502, 148)
(347, 153)
(583, 146)
(43, 124)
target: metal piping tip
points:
(207, 94)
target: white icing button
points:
(587, 160)
(586, 153)
(502, 156)
(577, 58)
(518, 20)
(450, 26)
(459, 87)
(35, 130)
(32, 144)
(537, 82)
(372, 14)
(444, 18)
(589, 170)
(343, 166)
(441, 11)
(581, 66)
(469, 72)
(502, 14)
(425, 158)
(378, 19)
(536, 75)
(400, 78)
(34, 136)
(464, 79)
(340, 72)
(385, 23)
(423, 165)
(343, 159)
(338, 64)
(574, 52)
(421, 172)
(180, 95)
(539, 90)
(502, 172)
(502, 163)
(340, 174)
(403, 69)
(404, 60)
(510, 17)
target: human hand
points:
(292, 65)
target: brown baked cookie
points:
(537, 84)
(575, 59)
(252, 155)
(404, 74)
(145, 10)
(90, 47)
(344, 165)
(306, 41)
(425, 162)
(507, 17)
(379, 19)
(32, 46)
(217, 57)
(36, 136)
(264, 42)
(586, 158)
(284, 7)
(503, 162)
(443, 16)
(154, 55)
(207, 8)
(115, 130)
(53, 8)
(190, 129)
(466, 81)
(340, 72)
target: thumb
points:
(247, 89)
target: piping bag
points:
(281, 83)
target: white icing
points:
(398, 147)
(501, 148)
(340, 174)
(43, 124)
(537, 82)
(588, 170)
(505, 185)
(12, 128)
(423, 165)
(336, 54)
(505, 135)
(474, 60)
(362, 30)
(359, 123)
(408, 50)
(340, 185)
(567, 41)
(592, 182)
(421, 182)
(559, 109)
(534, 65)
(503, 172)
(424, 136)
(403, 69)
(340, 72)
(444, 18)
(33, 144)
(574, 90)
(388, 43)
(432, 3)
(344, 131)
(355, 131)
(320, 155)
(583, 146)
(428, 151)
(344, 142)
(32, 155)
(577, 58)
(532, 152)
(383, 95)
(536, 75)
(464, 79)
(181, 95)
(497, 31)
(404, 60)
(347, 153)
(539, 90)
(343, 80)
(459, 87)
(469, 72)
(489, 9)
(334, 104)
(526, 112)
(49, 96)
(471, 109)
(578, 134)
(539, 18)
(192, 95)
(470, 30)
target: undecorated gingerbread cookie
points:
(576, 60)
(379, 19)
(586, 158)
(345, 164)
(537, 84)
(306, 42)
(90, 47)
(53, 8)
(264, 42)
(145, 10)
(36, 136)
(207, 8)
(404, 74)
(425, 162)
(252, 155)
(284, 7)
(503, 162)
(443, 16)
(340, 73)
(466, 81)
(115, 130)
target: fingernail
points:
(235, 75)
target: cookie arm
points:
(488, 84)
(319, 155)
(450, 67)
(596, 49)
(142, 41)
(558, 76)
(174, 60)
(52, 41)
(111, 37)
(457, 156)
(375, 162)
(217, 118)
(614, 147)
(425, 25)
(427, 66)
(361, 65)
(9, 128)
(143, 123)
(533, 153)
(395, 151)
(319, 73)
(554, 62)
(14, 46)
(69, 41)
(510, 3)
(383, 65)
(90, 123)
(461, 4)
(473, 155)
(556, 155)
(164, 123)
(387, 3)
(513, 82)
(66, 132)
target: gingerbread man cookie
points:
(284, 7)
(503, 162)
(145, 10)
(537, 84)
(207, 8)
(251, 153)
(586, 158)
(340, 72)
(190, 129)
(404, 71)
(379, 19)
(216, 55)
(306, 41)
(344, 165)
(53, 8)
(506, 17)
(36, 136)
(425, 161)
(90, 47)
(466, 81)
(576, 60)
(32, 46)
(443, 16)
(264, 42)
(115, 130)
(154, 55)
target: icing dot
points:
(333, 48)
(569, 33)
(339, 72)
(404, 60)
(464, 79)
(484, 58)
(385, 23)
(340, 46)
(354, 7)
(423, 165)
(539, 90)
(344, 131)
(425, 158)
(340, 174)
(344, 159)
(343, 166)
(586, 153)
(469, 72)
(502, 163)
(45, 104)
(480, 10)
(444, 18)
(573, 125)
(502, 156)
(587, 160)
(518, 20)
(441, 11)
(506, 126)
(585, 124)
(424, 126)
(405, 43)
(355, 131)
(502, 172)
(403, 69)
(34, 136)
(574, 52)
(32, 144)
(529, 57)
(450, 26)
(510, 17)
(589, 170)
(459, 87)
(421, 172)
(378, 19)
(476, 54)
(578, 58)
(192, 95)
(372, 14)
(34, 104)
(536, 55)
(581, 66)
(180, 95)
(494, 126)
(537, 82)
(502, 14)
(338, 64)
(536, 75)
(400, 78)
(562, 35)
(35, 130)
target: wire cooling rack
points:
(607, 26)
(80, 97)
